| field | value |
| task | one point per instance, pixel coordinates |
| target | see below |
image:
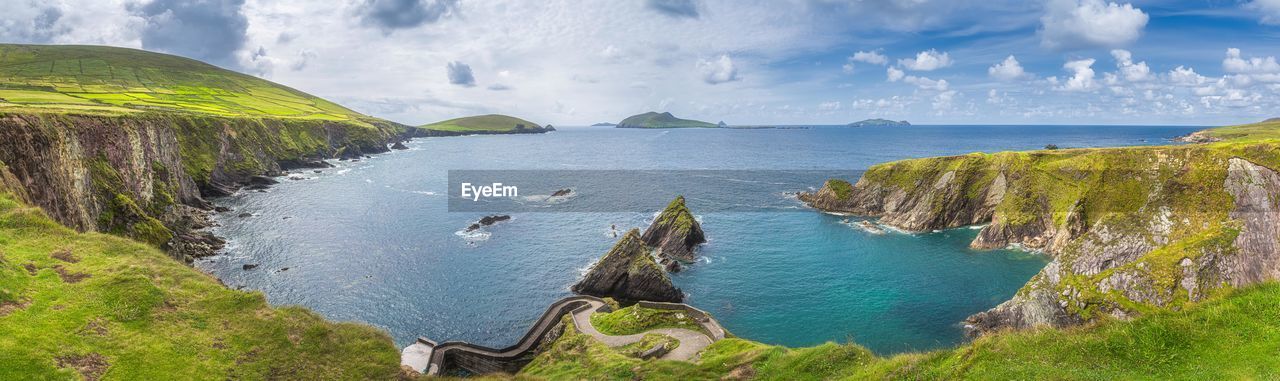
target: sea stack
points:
(675, 234)
(627, 272)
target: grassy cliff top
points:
(110, 80)
(662, 120)
(482, 123)
(1235, 337)
(94, 306)
(1268, 129)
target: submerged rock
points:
(675, 233)
(628, 272)
(562, 192)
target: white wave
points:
(473, 236)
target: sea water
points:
(375, 241)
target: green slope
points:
(110, 80)
(1236, 337)
(106, 307)
(484, 123)
(661, 120)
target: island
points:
(484, 124)
(879, 123)
(662, 120)
(604, 124)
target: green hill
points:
(492, 123)
(664, 120)
(110, 80)
(879, 123)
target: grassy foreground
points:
(1235, 337)
(96, 306)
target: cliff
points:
(675, 233)
(1129, 230)
(145, 176)
(628, 272)
(661, 120)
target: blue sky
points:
(744, 62)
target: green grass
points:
(664, 120)
(110, 80)
(483, 123)
(1236, 336)
(123, 310)
(633, 320)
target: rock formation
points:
(628, 272)
(1128, 230)
(675, 233)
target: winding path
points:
(425, 356)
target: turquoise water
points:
(375, 241)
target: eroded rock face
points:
(1127, 230)
(675, 233)
(628, 272)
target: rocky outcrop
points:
(628, 272)
(675, 233)
(1128, 230)
(146, 175)
(1197, 137)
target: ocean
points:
(378, 241)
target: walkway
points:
(425, 356)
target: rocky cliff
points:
(675, 233)
(145, 176)
(1129, 230)
(628, 272)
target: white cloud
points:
(718, 71)
(942, 101)
(871, 57)
(1234, 63)
(928, 60)
(927, 84)
(1071, 24)
(847, 68)
(894, 74)
(1082, 76)
(1132, 72)
(1269, 10)
(1007, 70)
(1185, 76)
(829, 106)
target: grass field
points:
(482, 123)
(109, 80)
(97, 306)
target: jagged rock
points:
(628, 272)
(1196, 137)
(675, 233)
(562, 192)
(399, 146)
(249, 266)
(490, 220)
(245, 215)
(221, 209)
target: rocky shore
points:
(628, 272)
(1129, 230)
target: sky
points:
(1205, 62)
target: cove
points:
(374, 241)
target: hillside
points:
(131, 142)
(1234, 337)
(106, 307)
(114, 81)
(663, 120)
(1130, 231)
(487, 124)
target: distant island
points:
(604, 124)
(485, 124)
(664, 120)
(879, 123)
